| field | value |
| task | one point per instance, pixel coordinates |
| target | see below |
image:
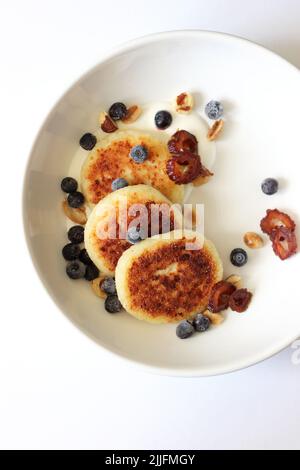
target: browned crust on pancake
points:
(112, 249)
(173, 295)
(114, 161)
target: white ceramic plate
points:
(261, 95)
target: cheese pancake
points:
(110, 159)
(162, 280)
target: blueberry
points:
(201, 323)
(75, 270)
(269, 186)
(118, 183)
(75, 199)
(214, 110)
(109, 285)
(76, 234)
(135, 235)
(117, 111)
(69, 185)
(84, 257)
(184, 329)
(91, 272)
(238, 257)
(88, 141)
(163, 119)
(138, 153)
(70, 251)
(112, 304)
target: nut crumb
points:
(253, 240)
(215, 318)
(235, 280)
(96, 286)
(77, 215)
(133, 113)
(215, 129)
(106, 123)
(184, 102)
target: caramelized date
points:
(239, 300)
(219, 297)
(183, 141)
(275, 219)
(184, 167)
(284, 242)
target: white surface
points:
(243, 150)
(58, 389)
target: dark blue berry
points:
(118, 183)
(269, 186)
(214, 110)
(201, 323)
(138, 153)
(135, 235)
(70, 251)
(185, 329)
(163, 119)
(84, 257)
(109, 285)
(76, 234)
(69, 185)
(117, 111)
(88, 141)
(112, 304)
(75, 270)
(75, 199)
(238, 257)
(91, 272)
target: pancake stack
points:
(168, 276)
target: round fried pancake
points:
(110, 159)
(120, 209)
(162, 280)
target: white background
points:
(57, 388)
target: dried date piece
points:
(106, 123)
(284, 242)
(184, 167)
(239, 300)
(183, 141)
(275, 219)
(219, 296)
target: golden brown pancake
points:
(110, 159)
(161, 281)
(105, 253)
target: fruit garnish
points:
(184, 167)
(214, 110)
(117, 111)
(269, 186)
(239, 300)
(77, 215)
(238, 257)
(138, 153)
(163, 119)
(275, 219)
(69, 184)
(219, 296)
(284, 242)
(183, 141)
(88, 141)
